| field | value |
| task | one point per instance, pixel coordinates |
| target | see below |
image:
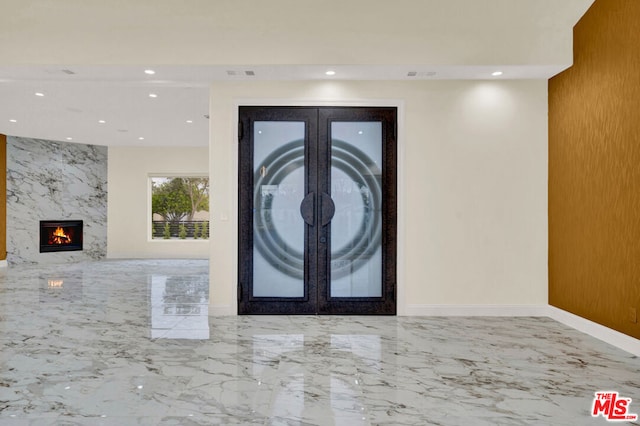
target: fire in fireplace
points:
(60, 235)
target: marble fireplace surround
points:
(49, 180)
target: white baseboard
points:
(615, 338)
(612, 337)
(477, 310)
(221, 311)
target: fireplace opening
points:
(60, 235)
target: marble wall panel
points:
(49, 180)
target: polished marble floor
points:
(131, 343)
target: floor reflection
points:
(316, 374)
(61, 287)
(179, 307)
(130, 343)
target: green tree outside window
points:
(177, 200)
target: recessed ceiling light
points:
(13, 121)
(149, 72)
(140, 138)
(39, 94)
(153, 95)
(360, 132)
(189, 121)
(69, 139)
(330, 72)
(101, 121)
(496, 73)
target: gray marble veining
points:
(131, 343)
(49, 180)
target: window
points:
(179, 208)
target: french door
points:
(317, 210)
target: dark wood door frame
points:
(317, 159)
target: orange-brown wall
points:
(594, 171)
(3, 197)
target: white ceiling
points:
(77, 98)
(73, 105)
(284, 39)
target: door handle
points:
(308, 208)
(327, 209)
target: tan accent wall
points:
(3, 197)
(594, 171)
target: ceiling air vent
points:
(421, 74)
(69, 72)
(241, 73)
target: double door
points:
(317, 210)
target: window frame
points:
(149, 221)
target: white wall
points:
(128, 200)
(472, 174)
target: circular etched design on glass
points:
(282, 247)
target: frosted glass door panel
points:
(278, 228)
(356, 227)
